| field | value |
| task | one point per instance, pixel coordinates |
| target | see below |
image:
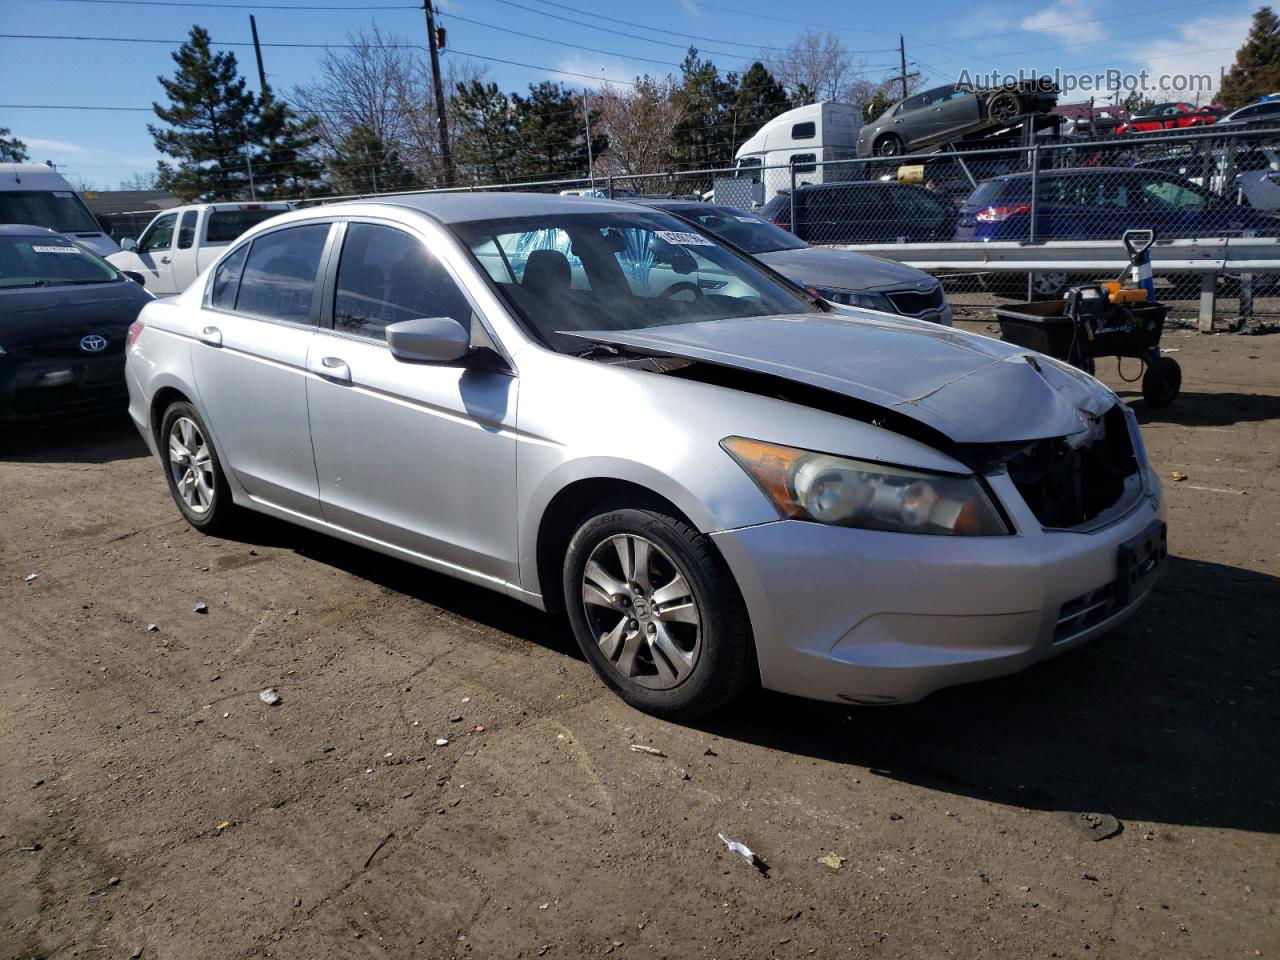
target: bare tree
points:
(816, 66)
(421, 149)
(365, 86)
(640, 124)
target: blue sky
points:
(104, 147)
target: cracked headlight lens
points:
(819, 487)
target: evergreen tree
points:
(364, 164)
(552, 133)
(759, 99)
(484, 148)
(287, 165)
(1256, 71)
(211, 120)
(12, 150)
(704, 100)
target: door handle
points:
(332, 368)
(165, 260)
(211, 336)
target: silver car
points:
(595, 408)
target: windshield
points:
(741, 229)
(47, 261)
(225, 225)
(59, 210)
(619, 271)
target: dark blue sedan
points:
(64, 317)
(1101, 203)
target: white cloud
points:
(602, 70)
(1202, 46)
(1066, 20)
(39, 143)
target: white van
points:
(38, 195)
(182, 241)
(803, 139)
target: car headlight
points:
(822, 488)
(856, 298)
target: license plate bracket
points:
(1140, 562)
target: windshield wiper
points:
(596, 350)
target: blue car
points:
(1101, 203)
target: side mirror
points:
(136, 277)
(429, 340)
(129, 244)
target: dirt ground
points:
(150, 801)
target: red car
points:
(1171, 116)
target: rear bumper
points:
(38, 390)
(870, 617)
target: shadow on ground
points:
(1170, 719)
(95, 441)
(1193, 409)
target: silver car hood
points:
(844, 270)
(970, 388)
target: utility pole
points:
(586, 117)
(903, 76)
(257, 51)
(442, 123)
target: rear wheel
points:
(195, 475)
(657, 613)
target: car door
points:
(261, 312)
(155, 255)
(418, 455)
(183, 268)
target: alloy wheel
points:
(642, 612)
(191, 465)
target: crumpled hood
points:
(844, 270)
(970, 388)
(31, 315)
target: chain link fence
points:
(1042, 195)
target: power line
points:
(240, 6)
(666, 43)
(216, 43)
(563, 43)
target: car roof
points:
(460, 207)
(25, 230)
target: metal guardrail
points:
(1205, 255)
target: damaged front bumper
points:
(869, 617)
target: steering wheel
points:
(680, 287)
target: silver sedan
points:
(600, 410)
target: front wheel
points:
(657, 613)
(195, 475)
(890, 145)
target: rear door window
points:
(279, 281)
(225, 225)
(226, 280)
(187, 229)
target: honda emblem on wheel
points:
(93, 343)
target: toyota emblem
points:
(93, 343)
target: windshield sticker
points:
(684, 239)
(55, 249)
(63, 193)
(746, 219)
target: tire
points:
(1004, 107)
(889, 145)
(1046, 285)
(1161, 382)
(673, 641)
(187, 452)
